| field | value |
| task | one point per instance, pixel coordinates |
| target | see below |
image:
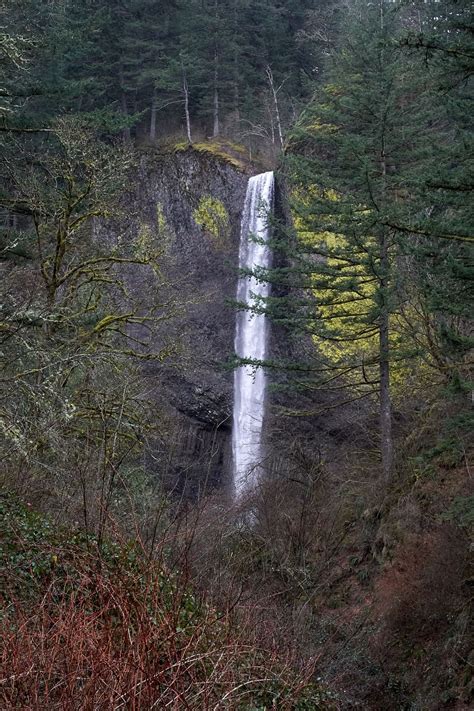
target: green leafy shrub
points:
(461, 512)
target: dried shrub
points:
(111, 631)
(424, 583)
(424, 635)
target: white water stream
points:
(251, 337)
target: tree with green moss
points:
(360, 146)
(73, 330)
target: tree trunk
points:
(275, 102)
(385, 308)
(384, 356)
(236, 74)
(384, 339)
(153, 116)
(186, 107)
(236, 111)
(215, 130)
(127, 136)
(123, 101)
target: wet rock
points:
(189, 204)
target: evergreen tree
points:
(143, 57)
(438, 227)
(363, 136)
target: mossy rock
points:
(212, 217)
(218, 149)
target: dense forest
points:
(146, 67)
(131, 573)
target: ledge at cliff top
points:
(219, 149)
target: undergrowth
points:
(105, 629)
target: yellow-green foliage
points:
(161, 223)
(345, 305)
(342, 301)
(164, 231)
(317, 126)
(408, 372)
(144, 241)
(152, 242)
(147, 247)
(212, 217)
(347, 309)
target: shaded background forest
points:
(135, 64)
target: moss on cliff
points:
(230, 153)
(212, 217)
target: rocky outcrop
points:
(189, 203)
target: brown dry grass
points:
(112, 630)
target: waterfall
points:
(251, 337)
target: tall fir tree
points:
(439, 227)
(366, 133)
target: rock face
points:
(190, 203)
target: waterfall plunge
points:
(251, 337)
